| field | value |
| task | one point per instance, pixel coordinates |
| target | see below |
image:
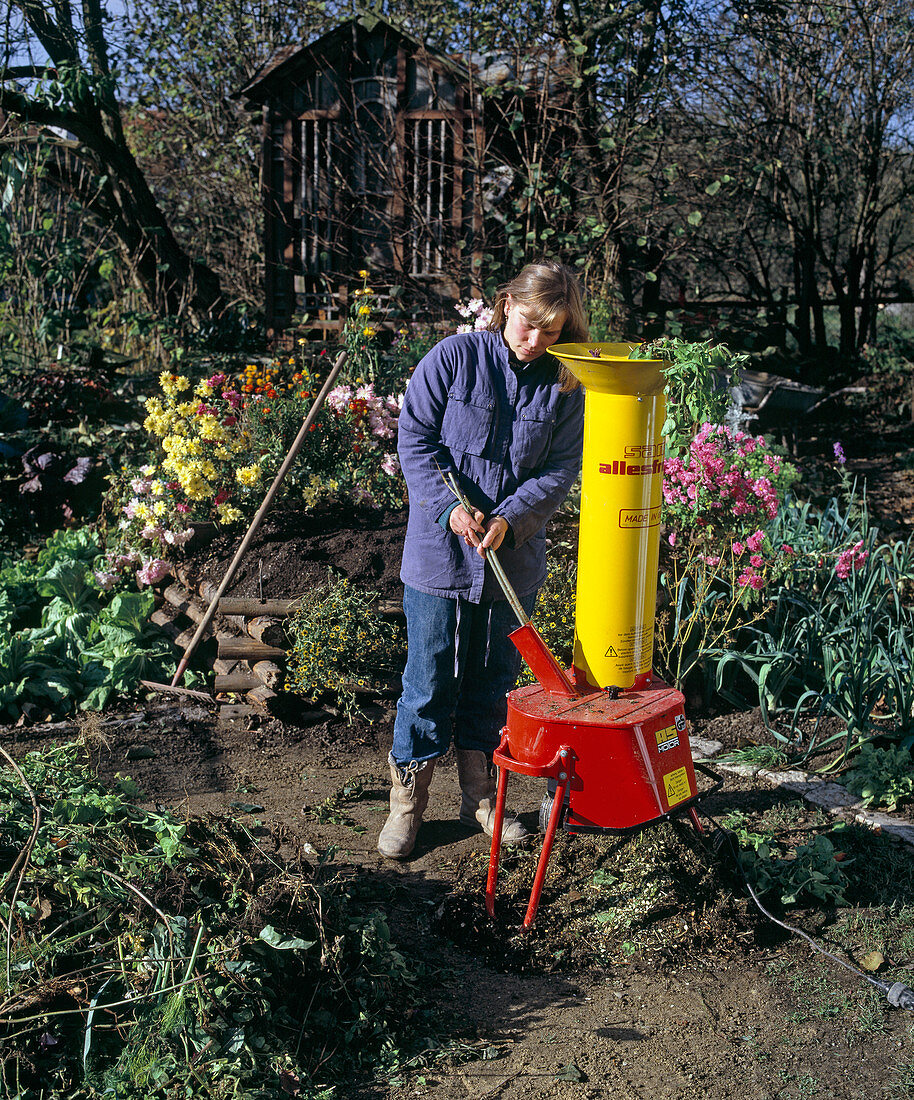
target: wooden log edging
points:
(252, 642)
(242, 665)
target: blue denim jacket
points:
(514, 442)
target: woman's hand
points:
(477, 531)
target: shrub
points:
(341, 645)
(553, 615)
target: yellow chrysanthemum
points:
(227, 513)
(248, 475)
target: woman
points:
(500, 413)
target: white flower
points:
(178, 538)
(390, 465)
(339, 398)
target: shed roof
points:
(286, 59)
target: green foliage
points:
(341, 646)
(228, 974)
(882, 776)
(695, 391)
(834, 641)
(808, 872)
(66, 642)
(553, 615)
(47, 252)
(763, 756)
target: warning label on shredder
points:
(635, 648)
(677, 786)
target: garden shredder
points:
(609, 735)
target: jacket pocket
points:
(533, 430)
(467, 422)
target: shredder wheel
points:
(546, 809)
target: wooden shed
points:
(369, 143)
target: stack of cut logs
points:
(251, 643)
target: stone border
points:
(831, 797)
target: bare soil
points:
(697, 995)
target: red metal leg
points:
(555, 813)
(496, 840)
(693, 814)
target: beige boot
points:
(408, 799)
(477, 804)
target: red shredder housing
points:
(630, 760)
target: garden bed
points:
(649, 971)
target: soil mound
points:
(606, 900)
(295, 550)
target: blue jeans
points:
(460, 665)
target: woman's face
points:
(526, 340)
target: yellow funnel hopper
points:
(621, 498)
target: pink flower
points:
(738, 548)
(390, 465)
(851, 560)
(104, 580)
(755, 541)
(757, 560)
(182, 507)
(217, 380)
(153, 571)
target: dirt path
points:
(750, 1013)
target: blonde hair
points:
(545, 291)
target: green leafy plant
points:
(882, 776)
(763, 756)
(68, 643)
(695, 390)
(809, 872)
(836, 638)
(209, 953)
(341, 646)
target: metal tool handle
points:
(491, 557)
